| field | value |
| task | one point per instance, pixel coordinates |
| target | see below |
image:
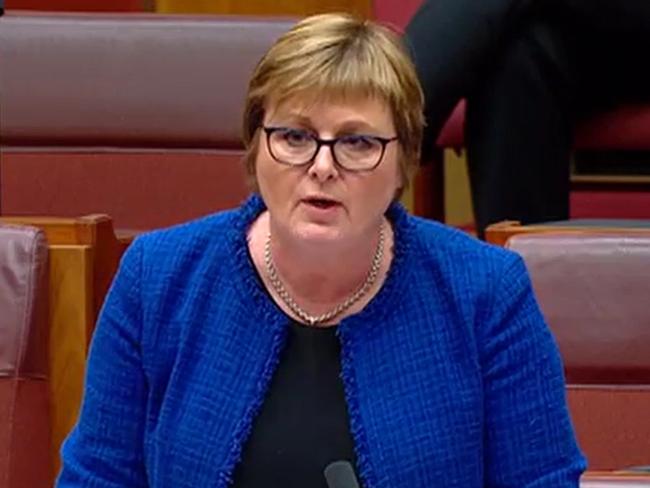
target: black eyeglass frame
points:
(384, 141)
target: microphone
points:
(340, 474)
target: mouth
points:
(322, 203)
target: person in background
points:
(319, 321)
(529, 70)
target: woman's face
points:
(321, 201)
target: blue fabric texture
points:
(451, 376)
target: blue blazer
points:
(451, 376)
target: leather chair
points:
(500, 232)
(24, 410)
(614, 480)
(137, 116)
(83, 256)
(593, 290)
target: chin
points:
(318, 233)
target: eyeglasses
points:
(353, 152)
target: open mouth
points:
(322, 203)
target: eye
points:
(294, 137)
(359, 143)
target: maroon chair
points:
(24, 409)
(615, 480)
(136, 116)
(593, 290)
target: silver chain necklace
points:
(347, 303)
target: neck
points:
(319, 278)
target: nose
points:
(323, 167)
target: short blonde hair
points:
(338, 55)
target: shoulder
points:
(455, 253)
(187, 238)
(468, 278)
(173, 263)
(179, 274)
(216, 236)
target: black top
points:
(303, 423)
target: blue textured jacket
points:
(451, 376)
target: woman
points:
(320, 322)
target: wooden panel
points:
(71, 317)
(78, 5)
(63, 230)
(612, 179)
(457, 192)
(441, 190)
(265, 7)
(84, 254)
(95, 231)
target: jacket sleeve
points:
(529, 438)
(105, 449)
